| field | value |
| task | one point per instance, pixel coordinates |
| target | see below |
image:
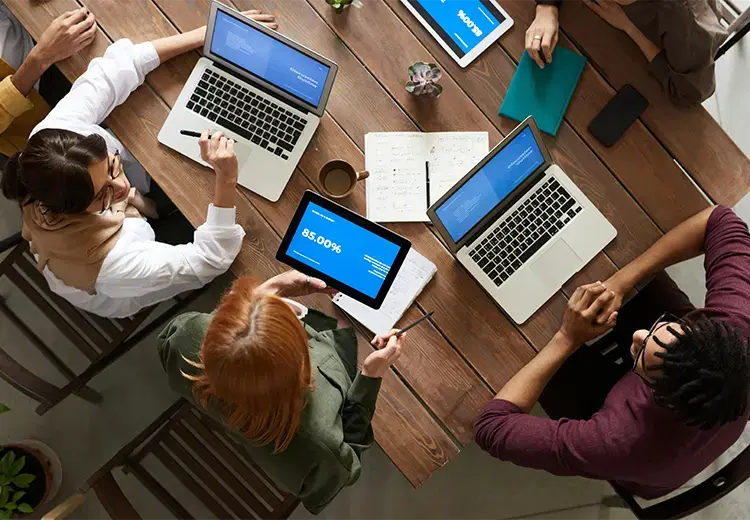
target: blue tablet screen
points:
(269, 59)
(461, 24)
(342, 250)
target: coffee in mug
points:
(339, 178)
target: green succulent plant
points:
(423, 79)
(340, 5)
(12, 482)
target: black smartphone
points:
(617, 116)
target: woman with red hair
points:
(283, 379)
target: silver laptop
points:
(263, 90)
(519, 225)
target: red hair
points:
(255, 362)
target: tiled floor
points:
(472, 486)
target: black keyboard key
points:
(286, 146)
(515, 264)
(195, 97)
(224, 104)
(203, 84)
(284, 156)
(264, 143)
(256, 139)
(233, 127)
(204, 112)
(536, 246)
(299, 126)
(213, 116)
(483, 262)
(278, 151)
(190, 105)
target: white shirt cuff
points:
(147, 56)
(222, 217)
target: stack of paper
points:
(411, 279)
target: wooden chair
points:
(208, 464)
(694, 499)
(99, 340)
(739, 26)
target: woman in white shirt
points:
(81, 215)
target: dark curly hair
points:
(705, 374)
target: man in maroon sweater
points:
(652, 428)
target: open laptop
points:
(262, 89)
(519, 225)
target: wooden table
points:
(450, 369)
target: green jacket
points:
(324, 456)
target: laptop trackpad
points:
(242, 151)
(556, 265)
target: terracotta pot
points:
(42, 462)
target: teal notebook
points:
(543, 93)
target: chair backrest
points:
(698, 497)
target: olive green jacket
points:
(324, 456)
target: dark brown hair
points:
(53, 169)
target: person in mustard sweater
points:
(22, 64)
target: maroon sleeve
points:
(727, 263)
(597, 448)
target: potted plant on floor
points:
(340, 5)
(27, 476)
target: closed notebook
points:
(543, 93)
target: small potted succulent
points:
(340, 5)
(27, 478)
(423, 80)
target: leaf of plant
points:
(23, 480)
(4, 480)
(5, 515)
(18, 495)
(4, 408)
(25, 508)
(4, 496)
(6, 463)
(10, 506)
(18, 466)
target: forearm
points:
(527, 385)
(682, 243)
(648, 48)
(29, 73)
(171, 46)
(225, 193)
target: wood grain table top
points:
(645, 184)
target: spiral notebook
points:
(412, 278)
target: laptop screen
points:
(267, 58)
(489, 185)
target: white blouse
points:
(138, 272)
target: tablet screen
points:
(461, 24)
(343, 248)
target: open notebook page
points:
(451, 155)
(397, 186)
(416, 272)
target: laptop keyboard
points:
(525, 231)
(254, 117)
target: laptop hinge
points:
(261, 87)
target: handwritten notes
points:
(400, 164)
(416, 272)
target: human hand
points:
(268, 20)
(620, 286)
(579, 323)
(389, 350)
(67, 34)
(542, 34)
(611, 12)
(218, 151)
(293, 283)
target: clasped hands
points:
(592, 311)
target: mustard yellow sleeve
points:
(12, 103)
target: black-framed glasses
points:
(107, 193)
(662, 321)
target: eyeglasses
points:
(662, 321)
(107, 193)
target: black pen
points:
(427, 176)
(417, 322)
(191, 133)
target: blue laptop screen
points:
(269, 59)
(342, 250)
(490, 185)
(461, 24)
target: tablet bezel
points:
(476, 51)
(347, 214)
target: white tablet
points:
(464, 28)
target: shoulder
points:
(183, 336)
